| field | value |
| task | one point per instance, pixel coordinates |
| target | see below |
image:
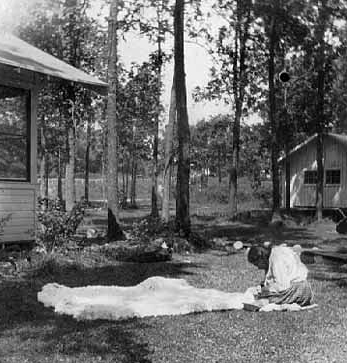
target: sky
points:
(136, 49)
(197, 63)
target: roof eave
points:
(298, 147)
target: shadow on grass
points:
(23, 316)
(244, 232)
(330, 270)
(99, 338)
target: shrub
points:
(264, 194)
(149, 228)
(249, 197)
(57, 226)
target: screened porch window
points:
(310, 177)
(14, 134)
(333, 176)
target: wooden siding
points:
(18, 199)
(17, 203)
(302, 195)
(335, 158)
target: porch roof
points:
(20, 54)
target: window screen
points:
(310, 177)
(333, 176)
(14, 134)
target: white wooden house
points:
(23, 69)
(303, 173)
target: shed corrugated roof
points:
(18, 53)
(340, 138)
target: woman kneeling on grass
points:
(286, 276)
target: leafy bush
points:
(264, 194)
(55, 225)
(149, 228)
(249, 197)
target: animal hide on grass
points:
(152, 297)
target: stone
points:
(267, 244)
(238, 245)
(127, 235)
(91, 233)
(164, 245)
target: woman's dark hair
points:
(257, 253)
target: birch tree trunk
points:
(183, 132)
(169, 135)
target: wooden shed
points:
(23, 69)
(303, 173)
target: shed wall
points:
(303, 195)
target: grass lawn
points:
(31, 333)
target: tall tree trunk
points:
(43, 168)
(273, 39)
(123, 196)
(74, 59)
(127, 179)
(320, 176)
(114, 230)
(42, 177)
(287, 141)
(103, 179)
(219, 168)
(239, 84)
(169, 135)
(322, 21)
(60, 176)
(70, 188)
(234, 162)
(154, 189)
(46, 177)
(154, 199)
(287, 176)
(183, 132)
(133, 183)
(86, 170)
